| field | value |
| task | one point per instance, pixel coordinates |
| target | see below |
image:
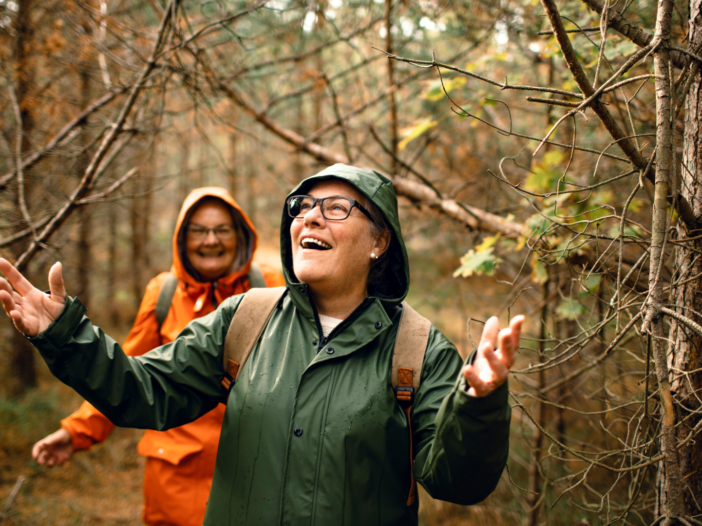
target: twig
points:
(11, 499)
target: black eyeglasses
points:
(334, 208)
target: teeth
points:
(308, 240)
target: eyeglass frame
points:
(316, 200)
(213, 230)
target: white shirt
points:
(328, 324)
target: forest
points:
(545, 155)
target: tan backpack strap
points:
(410, 346)
(248, 323)
(408, 356)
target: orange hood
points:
(241, 220)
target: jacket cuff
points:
(62, 328)
(78, 440)
(476, 405)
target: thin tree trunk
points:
(671, 501)
(684, 353)
(540, 416)
(22, 371)
(112, 263)
(136, 234)
(84, 267)
(391, 83)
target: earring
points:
(373, 256)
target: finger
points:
(477, 386)
(42, 457)
(37, 449)
(56, 286)
(17, 280)
(506, 347)
(497, 366)
(8, 303)
(490, 333)
(516, 326)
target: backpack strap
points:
(255, 277)
(247, 325)
(408, 356)
(165, 297)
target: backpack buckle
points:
(404, 393)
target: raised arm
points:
(168, 387)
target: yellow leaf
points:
(487, 243)
(415, 131)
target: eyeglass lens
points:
(334, 208)
(223, 232)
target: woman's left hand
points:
(494, 358)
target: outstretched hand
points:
(54, 449)
(30, 309)
(494, 358)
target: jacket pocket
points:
(159, 445)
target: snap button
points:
(314, 342)
(378, 324)
(298, 431)
(302, 290)
(324, 340)
(160, 451)
(330, 351)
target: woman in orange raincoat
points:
(213, 247)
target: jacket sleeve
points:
(271, 276)
(88, 426)
(171, 386)
(462, 442)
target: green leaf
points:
(539, 274)
(477, 263)
(570, 309)
(592, 283)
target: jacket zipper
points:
(214, 298)
(323, 340)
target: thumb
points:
(56, 287)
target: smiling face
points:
(211, 256)
(333, 257)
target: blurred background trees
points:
(546, 158)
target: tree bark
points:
(391, 83)
(670, 497)
(686, 346)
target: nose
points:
(314, 216)
(211, 238)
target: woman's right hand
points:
(30, 309)
(54, 449)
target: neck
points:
(336, 304)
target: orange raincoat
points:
(180, 462)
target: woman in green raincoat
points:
(312, 433)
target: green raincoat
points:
(312, 433)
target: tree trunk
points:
(685, 353)
(136, 235)
(670, 502)
(22, 372)
(391, 83)
(112, 263)
(84, 267)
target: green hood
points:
(379, 190)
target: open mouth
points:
(210, 254)
(315, 244)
